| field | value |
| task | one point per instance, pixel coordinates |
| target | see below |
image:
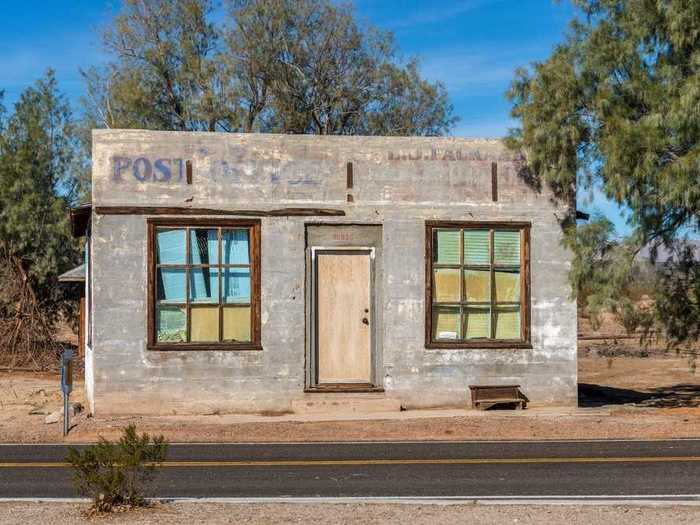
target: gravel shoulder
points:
(363, 514)
(620, 397)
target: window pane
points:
(204, 285)
(171, 324)
(235, 246)
(204, 323)
(170, 285)
(237, 323)
(506, 248)
(446, 323)
(446, 246)
(477, 322)
(508, 323)
(446, 286)
(476, 247)
(236, 285)
(507, 286)
(477, 286)
(204, 246)
(170, 246)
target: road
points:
(643, 469)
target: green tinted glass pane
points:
(446, 246)
(506, 248)
(507, 286)
(204, 285)
(476, 247)
(171, 324)
(446, 288)
(477, 286)
(446, 323)
(508, 323)
(477, 322)
(204, 246)
(170, 246)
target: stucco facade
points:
(395, 187)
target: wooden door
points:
(343, 317)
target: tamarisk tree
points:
(286, 66)
(617, 105)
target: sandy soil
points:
(364, 514)
(621, 397)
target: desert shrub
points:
(117, 474)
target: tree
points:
(166, 75)
(618, 105)
(287, 66)
(39, 180)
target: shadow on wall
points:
(675, 396)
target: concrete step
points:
(350, 402)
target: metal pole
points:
(66, 414)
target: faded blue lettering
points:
(162, 166)
(137, 170)
(181, 164)
(120, 164)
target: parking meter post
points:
(66, 386)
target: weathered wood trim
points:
(428, 283)
(80, 220)
(209, 347)
(343, 387)
(188, 171)
(476, 225)
(182, 210)
(494, 181)
(151, 288)
(483, 344)
(525, 300)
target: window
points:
(204, 284)
(477, 285)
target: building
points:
(254, 272)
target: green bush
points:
(117, 474)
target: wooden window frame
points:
(254, 226)
(525, 341)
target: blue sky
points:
(473, 46)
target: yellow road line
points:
(360, 462)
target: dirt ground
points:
(358, 513)
(620, 397)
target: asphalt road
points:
(419, 469)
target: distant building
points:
(253, 272)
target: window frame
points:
(524, 227)
(254, 238)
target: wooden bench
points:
(487, 396)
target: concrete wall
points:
(398, 183)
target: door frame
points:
(312, 383)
